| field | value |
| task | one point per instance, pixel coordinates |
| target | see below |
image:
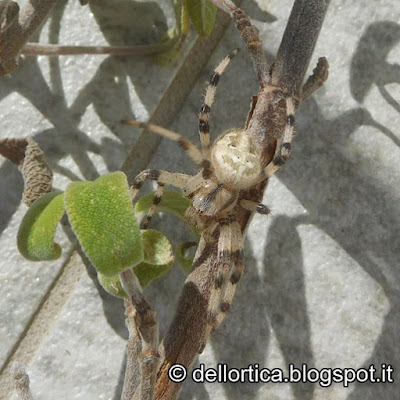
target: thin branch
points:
(35, 49)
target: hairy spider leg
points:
(230, 269)
(228, 292)
(255, 207)
(156, 201)
(162, 178)
(250, 36)
(317, 79)
(191, 149)
(204, 126)
(283, 147)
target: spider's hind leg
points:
(230, 269)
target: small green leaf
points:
(158, 258)
(183, 260)
(101, 215)
(202, 13)
(176, 35)
(166, 57)
(171, 202)
(35, 237)
(112, 285)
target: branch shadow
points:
(107, 91)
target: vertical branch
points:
(298, 44)
(133, 352)
(142, 325)
(188, 332)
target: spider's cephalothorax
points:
(230, 168)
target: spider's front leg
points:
(162, 178)
(284, 144)
(317, 79)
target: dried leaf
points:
(29, 158)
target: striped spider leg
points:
(229, 167)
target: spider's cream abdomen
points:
(236, 160)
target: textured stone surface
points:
(321, 285)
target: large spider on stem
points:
(234, 172)
(230, 166)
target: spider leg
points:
(255, 207)
(163, 178)
(191, 149)
(204, 127)
(223, 271)
(237, 259)
(317, 79)
(250, 36)
(230, 268)
(283, 147)
(156, 200)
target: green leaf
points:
(101, 215)
(158, 258)
(183, 260)
(202, 13)
(177, 34)
(112, 285)
(172, 202)
(35, 237)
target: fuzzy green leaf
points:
(35, 237)
(185, 261)
(171, 202)
(101, 215)
(158, 258)
(202, 14)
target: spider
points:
(231, 166)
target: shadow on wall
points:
(345, 203)
(107, 91)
